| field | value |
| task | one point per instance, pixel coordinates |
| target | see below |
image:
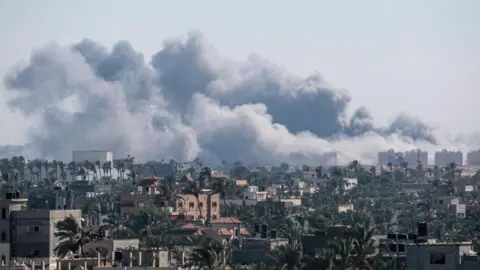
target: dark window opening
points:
(437, 258)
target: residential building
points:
(258, 250)
(345, 208)
(32, 233)
(412, 188)
(389, 157)
(146, 189)
(414, 157)
(225, 223)
(133, 203)
(60, 198)
(473, 158)
(241, 182)
(252, 193)
(444, 157)
(321, 239)
(208, 206)
(28, 235)
(309, 175)
(438, 256)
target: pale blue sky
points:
(420, 57)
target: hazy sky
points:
(419, 57)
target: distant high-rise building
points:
(390, 156)
(414, 156)
(444, 157)
(473, 158)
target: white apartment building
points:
(390, 156)
(414, 156)
(473, 158)
(444, 157)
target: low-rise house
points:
(345, 208)
(253, 193)
(241, 182)
(438, 256)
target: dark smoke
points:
(188, 101)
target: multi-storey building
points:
(29, 234)
(389, 157)
(414, 157)
(473, 158)
(444, 157)
(207, 206)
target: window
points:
(200, 204)
(214, 204)
(246, 197)
(437, 258)
(33, 253)
(33, 229)
(214, 217)
(3, 236)
(4, 260)
(4, 213)
(191, 205)
(180, 204)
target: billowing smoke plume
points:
(188, 101)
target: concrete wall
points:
(5, 253)
(419, 255)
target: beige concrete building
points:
(208, 206)
(32, 233)
(28, 235)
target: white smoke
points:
(189, 102)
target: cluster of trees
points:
(380, 208)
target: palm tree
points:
(288, 256)
(118, 226)
(72, 237)
(363, 241)
(213, 255)
(324, 259)
(169, 193)
(205, 176)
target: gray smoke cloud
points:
(188, 101)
